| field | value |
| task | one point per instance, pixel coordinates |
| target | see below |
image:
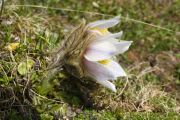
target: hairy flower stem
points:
(55, 66)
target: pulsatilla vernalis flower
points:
(90, 51)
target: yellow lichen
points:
(12, 46)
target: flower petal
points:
(122, 46)
(107, 84)
(110, 36)
(100, 74)
(104, 23)
(97, 70)
(115, 35)
(115, 69)
(100, 51)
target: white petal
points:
(97, 71)
(115, 35)
(104, 23)
(110, 36)
(107, 84)
(122, 46)
(100, 51)
(115, 69)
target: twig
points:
(12, 56)
(43, 97)
(127, 80)
(136, 66)
(146, 71)
(6, 100)
(2, 6)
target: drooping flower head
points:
(90, 49)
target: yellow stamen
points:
(103, 31)
(104, 62)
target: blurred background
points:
(152, 90)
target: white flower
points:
(89, 49)
(97, 57)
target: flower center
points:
(104, 62)
(102, 31)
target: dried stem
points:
(43, 97)
(122, 91)
(2, 6)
